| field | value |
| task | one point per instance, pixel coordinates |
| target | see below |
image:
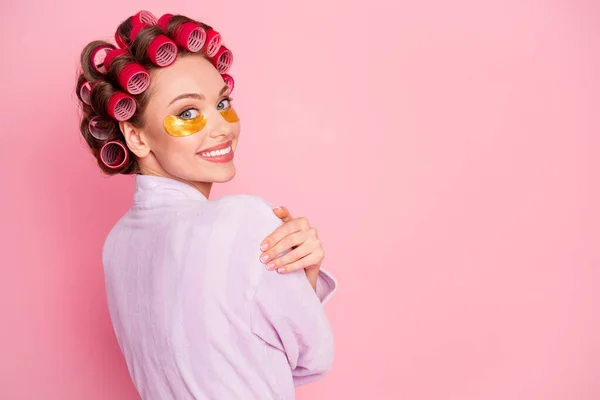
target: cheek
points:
(165, 145)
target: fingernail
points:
(270, 266)
(264, 258)
(264, 246)
(280, 270)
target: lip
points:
(217, 147)
(218, 159)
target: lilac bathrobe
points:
(196, 314)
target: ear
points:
(135, 139)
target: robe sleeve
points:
(288, 315)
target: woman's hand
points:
(296, 235)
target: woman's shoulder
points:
(247, 208)
(244, 202)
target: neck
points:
(202, 187)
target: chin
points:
(223, 176)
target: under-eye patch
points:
(230, 115)
(176, 126)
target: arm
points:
(288, 314)
(296, 245)
(290, 317)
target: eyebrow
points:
(196, 96)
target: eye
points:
(224, 104)
(190, 113)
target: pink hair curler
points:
(120, 41)
(213, 42)
(100, 129)
(163, 21)
(98, 57)
(189, 35)
(85, 92)
(162, 51)
(134, 78)
(143, 17)
(121, 106)
(228, 81)
(112, 55)
(223, 59)
(114, 154)
(135, 30)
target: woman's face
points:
(190, 126)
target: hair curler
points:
(134, 78)
(114, 154)
(121, 106)
(101, 129)
(143, 17)
(98, 57)
(223, 59)
(162, 51)
(189, 35)
(213, 42)
(85, 92)
(111, 55)
(228, 81)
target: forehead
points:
(189, 74)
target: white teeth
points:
(216, 153)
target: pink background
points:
(447, 152)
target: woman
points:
(196, 313)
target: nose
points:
(218, 126)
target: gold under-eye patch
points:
(230, 115)
(179, 127)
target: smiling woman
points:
(196, 313)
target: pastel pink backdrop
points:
(446, 151)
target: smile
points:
(222, 153)
(216, 153)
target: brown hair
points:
(106, 85)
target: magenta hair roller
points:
(85, 92)
(114, 154)
(189, 35)
(163, 21)
(162, 51)
(121, 106)
(135, 30)
(120, 41)
(223, 59)
(134, 78)
(98, 57)
(111, 55)
(213, 42)
(143, 17)
(228, 81)
(100, 129)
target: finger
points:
(283, 213)
(298, 253)
(288, 242)
(284, 230)
(303, 263)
